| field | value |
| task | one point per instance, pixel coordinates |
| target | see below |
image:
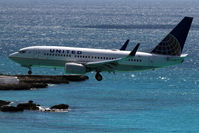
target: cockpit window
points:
(22, 51)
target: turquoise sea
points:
(160, 101)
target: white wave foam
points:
(132, 75)
(42, 109)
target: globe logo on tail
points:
(168, 46)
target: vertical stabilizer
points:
(173, 43)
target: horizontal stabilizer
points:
(176, 58)
(125, 45)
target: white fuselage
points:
(55, 56)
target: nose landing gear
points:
(98, 76)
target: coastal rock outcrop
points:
(11, 109)
(51, 79)
(28, 106)
(60, 106)
(22, 86)
(27, 82)
(3, 103)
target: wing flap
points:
(107, 65)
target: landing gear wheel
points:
(29, 72)
(98, 76)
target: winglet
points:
(124, 45)
(133, 52)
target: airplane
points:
(83, 60)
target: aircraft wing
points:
(109, 65)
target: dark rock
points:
(39, 85)
(52, 79)
(75, 77)
(22, 86)
(27, 82)
(28, 86)
(60, 106)
(2, 103)
(10, 109)
(28, 106)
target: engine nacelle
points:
(75, 68)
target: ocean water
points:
(163, 100)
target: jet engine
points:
(75, 68)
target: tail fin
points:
(173, 43)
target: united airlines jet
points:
(83, 60)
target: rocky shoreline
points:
(5, 106)
(27, 82)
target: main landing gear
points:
(29, 71)
(98, 76)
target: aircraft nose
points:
(13, 55)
